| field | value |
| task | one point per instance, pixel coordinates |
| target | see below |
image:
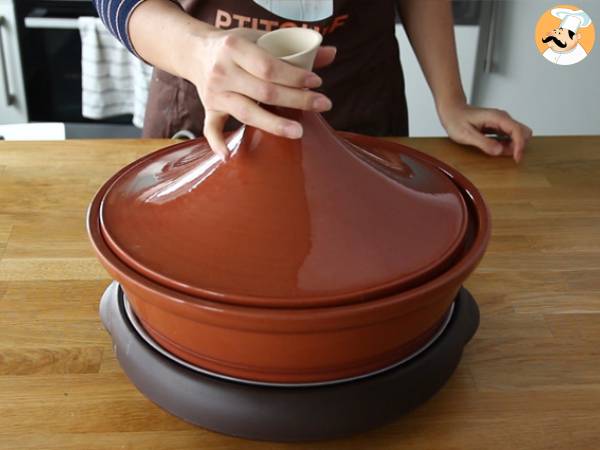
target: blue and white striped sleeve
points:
(116, 14)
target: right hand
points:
(232, 74)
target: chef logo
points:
(565, 35)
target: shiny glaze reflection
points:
(285, 222)
(185, 169)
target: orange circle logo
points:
(565, 35)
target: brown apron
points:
(365, 82)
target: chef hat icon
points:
(572, 20)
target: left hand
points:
(467, 124)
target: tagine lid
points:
(317, 221)
(284, 223)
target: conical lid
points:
(284, 223)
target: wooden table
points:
(530, 379)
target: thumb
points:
(490, 146)
(325, 56)
(249, 34)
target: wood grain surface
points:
(530, 379)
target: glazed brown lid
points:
(284, 223)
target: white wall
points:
(551, 99)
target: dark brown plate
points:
(287, 413)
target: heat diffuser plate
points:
(276, 413)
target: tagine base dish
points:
(139, 328)
(286, 413)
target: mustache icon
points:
(556, 41)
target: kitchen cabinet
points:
(13, 108)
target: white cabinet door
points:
(13, 108)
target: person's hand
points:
(467, 125)
(232, 74)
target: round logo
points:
(565, 35)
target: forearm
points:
(430, 29)
(165, 35)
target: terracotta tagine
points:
(296, 261)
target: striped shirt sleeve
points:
(116, 14)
